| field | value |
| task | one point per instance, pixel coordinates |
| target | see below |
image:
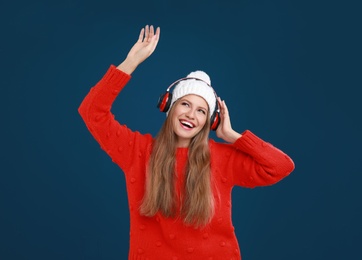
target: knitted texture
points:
(249, 162)
(200, 86)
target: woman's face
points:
(189, 117)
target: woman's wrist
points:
(128, 66)
(232, 136)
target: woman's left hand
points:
(225, 131)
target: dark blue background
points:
(288, 70)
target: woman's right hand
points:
(142, 49)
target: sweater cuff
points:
(116, 77)
(248, 141)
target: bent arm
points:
(259, 163)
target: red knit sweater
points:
(249, 162)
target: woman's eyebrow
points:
(185, 99)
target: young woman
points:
(179, 183)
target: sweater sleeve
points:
(117, 140)
(258, 163)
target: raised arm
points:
(96, 106)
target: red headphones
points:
(164, 103)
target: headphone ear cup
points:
(164, 102)
(215, 120)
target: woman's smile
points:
(186, 124)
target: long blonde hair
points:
(197, 202)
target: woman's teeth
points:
(187, 124)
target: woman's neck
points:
(182, 143)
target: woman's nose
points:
(190, 113)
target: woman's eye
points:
(185, 104)
(202, 111)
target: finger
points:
(154, 40)
(140, 37)
(147, 32)
(220, 103)
(226, 111)
(158, 31)
(152, 32)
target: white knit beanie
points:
(201, 87)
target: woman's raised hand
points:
(142, 49)
(146, 44)
(225, 131)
